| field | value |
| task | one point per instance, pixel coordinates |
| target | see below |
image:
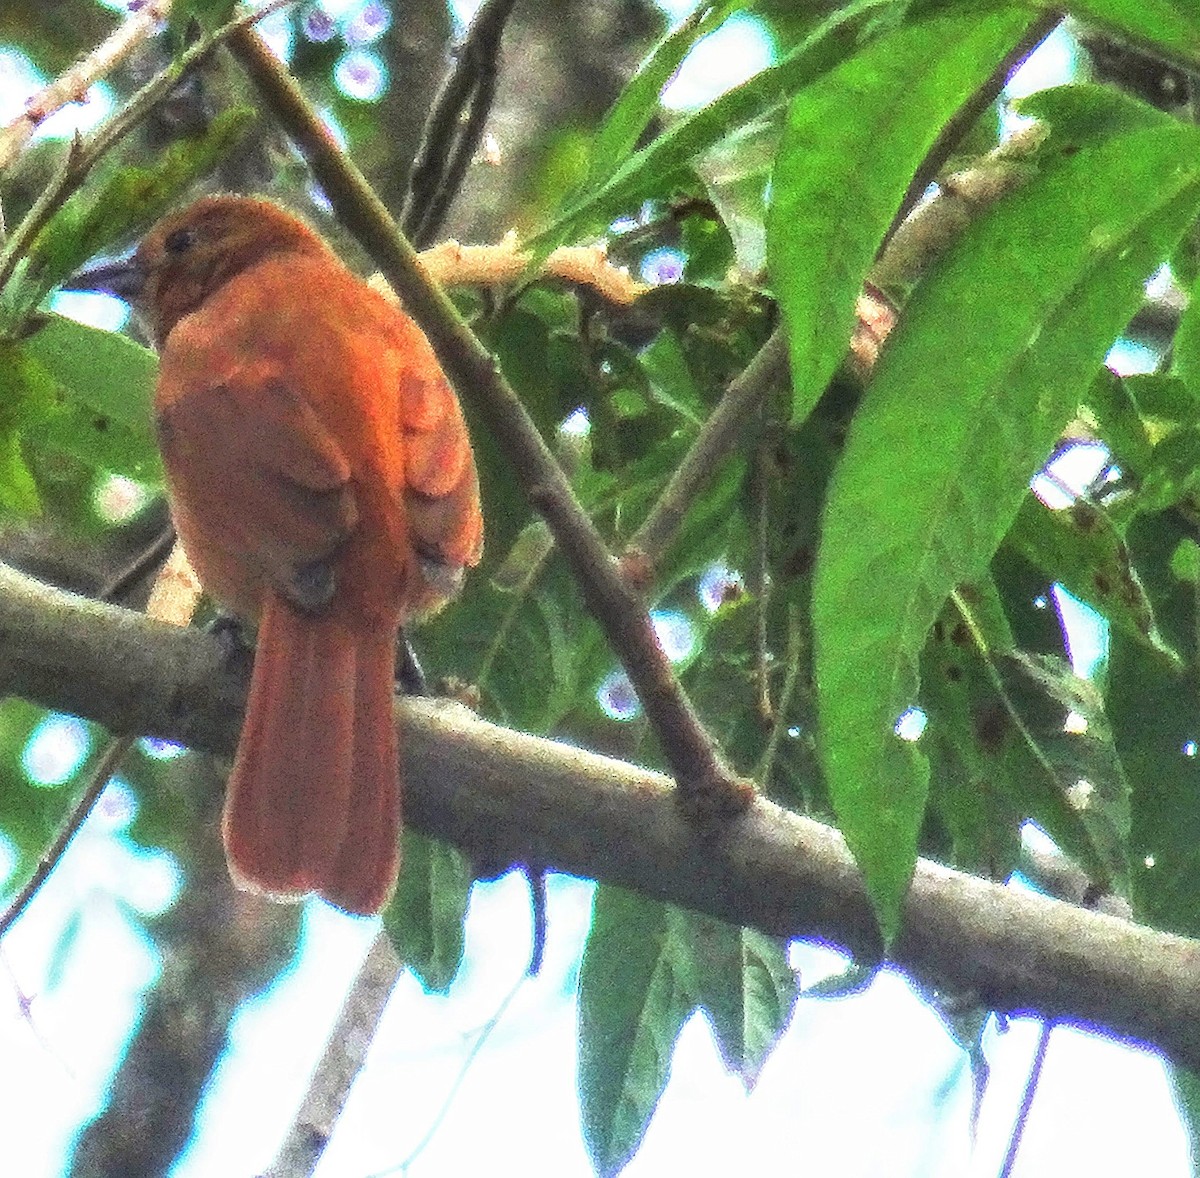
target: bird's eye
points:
(179, 241)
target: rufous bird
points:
(323, 485)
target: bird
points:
(322, 483)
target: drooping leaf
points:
(632, 1006)
(638, 102)
(670, 152)
(991, 357)
(742, 980)
(425, 919)
(1157, 734)
(1063, 771)
(1081, 548)
(852, 142)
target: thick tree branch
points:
(705, 784)
(506, 797)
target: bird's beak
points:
(123, 278)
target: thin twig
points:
(762, 773)
(83, 155)
(1031, 1083)
(706, 786)
(966, 117)
(74, 83)
(714, 443)
(485, 1033)
(341, 1062)
(110, 758)
(448, 144)
(148, 559)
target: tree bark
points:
(506, 797)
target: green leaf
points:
(425, 919)
(1185, 360)
(853, 140)
(1081, 548)
(742, 980)
(1118, 421)
(940, 453)
(1171, 26)
(1065, 773)
(106, 383)
(129, 199)
(1187, 1101)
(662, 159)
(638, 102)
(632, 1006)
(1156, 728)
(1083, 112)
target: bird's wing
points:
(255, 471)
(441, 489)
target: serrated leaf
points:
(632, 1006)
(425, 919)
(852, 142)
(671, 151)
(939, 456)
(742, 980)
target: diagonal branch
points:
(706, 785)
(506, 797)
(718, 437)
(449, 142)
(74, 84)
(342, 1060)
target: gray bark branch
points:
(507, 797)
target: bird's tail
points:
(313, 802)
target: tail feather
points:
(362, 876)
(313, 799)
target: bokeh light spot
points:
(675, 633)
(719, 585)
(617, 698)
(911, 725)
(362, 75)
(55, 749)
(92, 308)
(161, 750)
(371, 21)
(663, 266)
(318, 26)
(117, 499)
